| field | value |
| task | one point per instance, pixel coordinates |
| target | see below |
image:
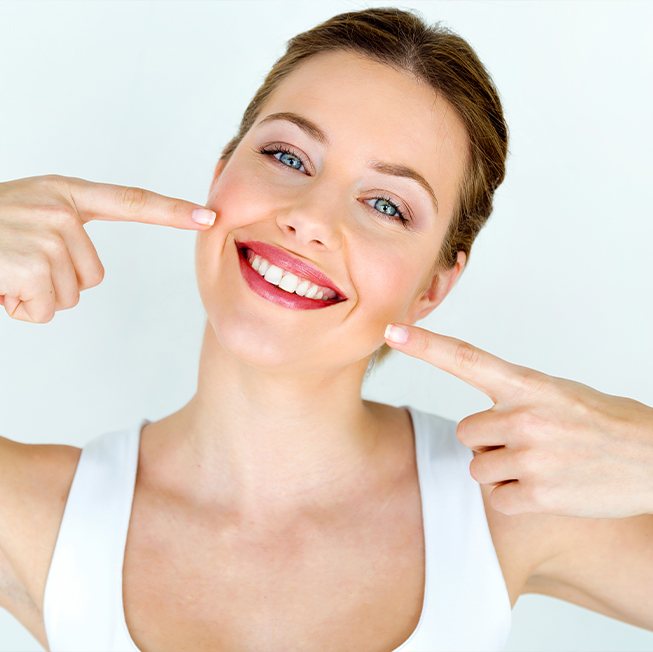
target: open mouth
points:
(272, 292)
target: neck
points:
(272, 446)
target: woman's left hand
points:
(547, 444)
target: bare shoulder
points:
(34, 484)
(520, 541)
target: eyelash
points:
(270, 150)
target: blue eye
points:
(288, 156)
(389, 204)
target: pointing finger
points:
(106, 201)
(481, 369)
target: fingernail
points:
(396, 334)
(203, 216)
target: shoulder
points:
(34, 484)
(521, 541)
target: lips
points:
(282, 259)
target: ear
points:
(218, 169)
(440, 285)
(216, 173)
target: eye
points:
(288, 158)
(395, 213)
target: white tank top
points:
(466, 604)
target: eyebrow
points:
(315, 132)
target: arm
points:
(34, 483)
(571, 468)
(12, 591)
(605, 565)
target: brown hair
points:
(437, 56)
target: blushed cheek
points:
(383, 284)
(402, 287)
(237, 203)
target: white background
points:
(146, 94)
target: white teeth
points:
(288, 281)
(311, 292)
(273, 275)
(302, 287)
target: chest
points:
(200, 587)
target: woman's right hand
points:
(46, 256)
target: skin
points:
(548, 445)
(278, 412)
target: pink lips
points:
(284, 260)
(272, 293)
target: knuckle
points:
(528, 462)
(38, 268)
(54, 245)
(475, 469)
(422, 345)
(538, 496)
(41, 313)
(95, 277)
(580, 409)
(178, 208)
(524, 421)
(62, 216)
(462, 431)
(57, 217)
(467, 356)
(53, 183)
(533, 382)
(49, 179)
(133, 198)
(70, 302)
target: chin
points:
(247, 341)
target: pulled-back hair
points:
(432, 54)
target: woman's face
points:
(324, 203)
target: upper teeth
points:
(287, 280)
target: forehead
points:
(371, 110)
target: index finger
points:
(488, 373)
(107, 201)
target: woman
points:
(277, 509)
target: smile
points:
(282, 287)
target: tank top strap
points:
(466, 602)
(84, 583)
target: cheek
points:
(236, 200)
(241, 196)
(385, 282)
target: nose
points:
(313, 218)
